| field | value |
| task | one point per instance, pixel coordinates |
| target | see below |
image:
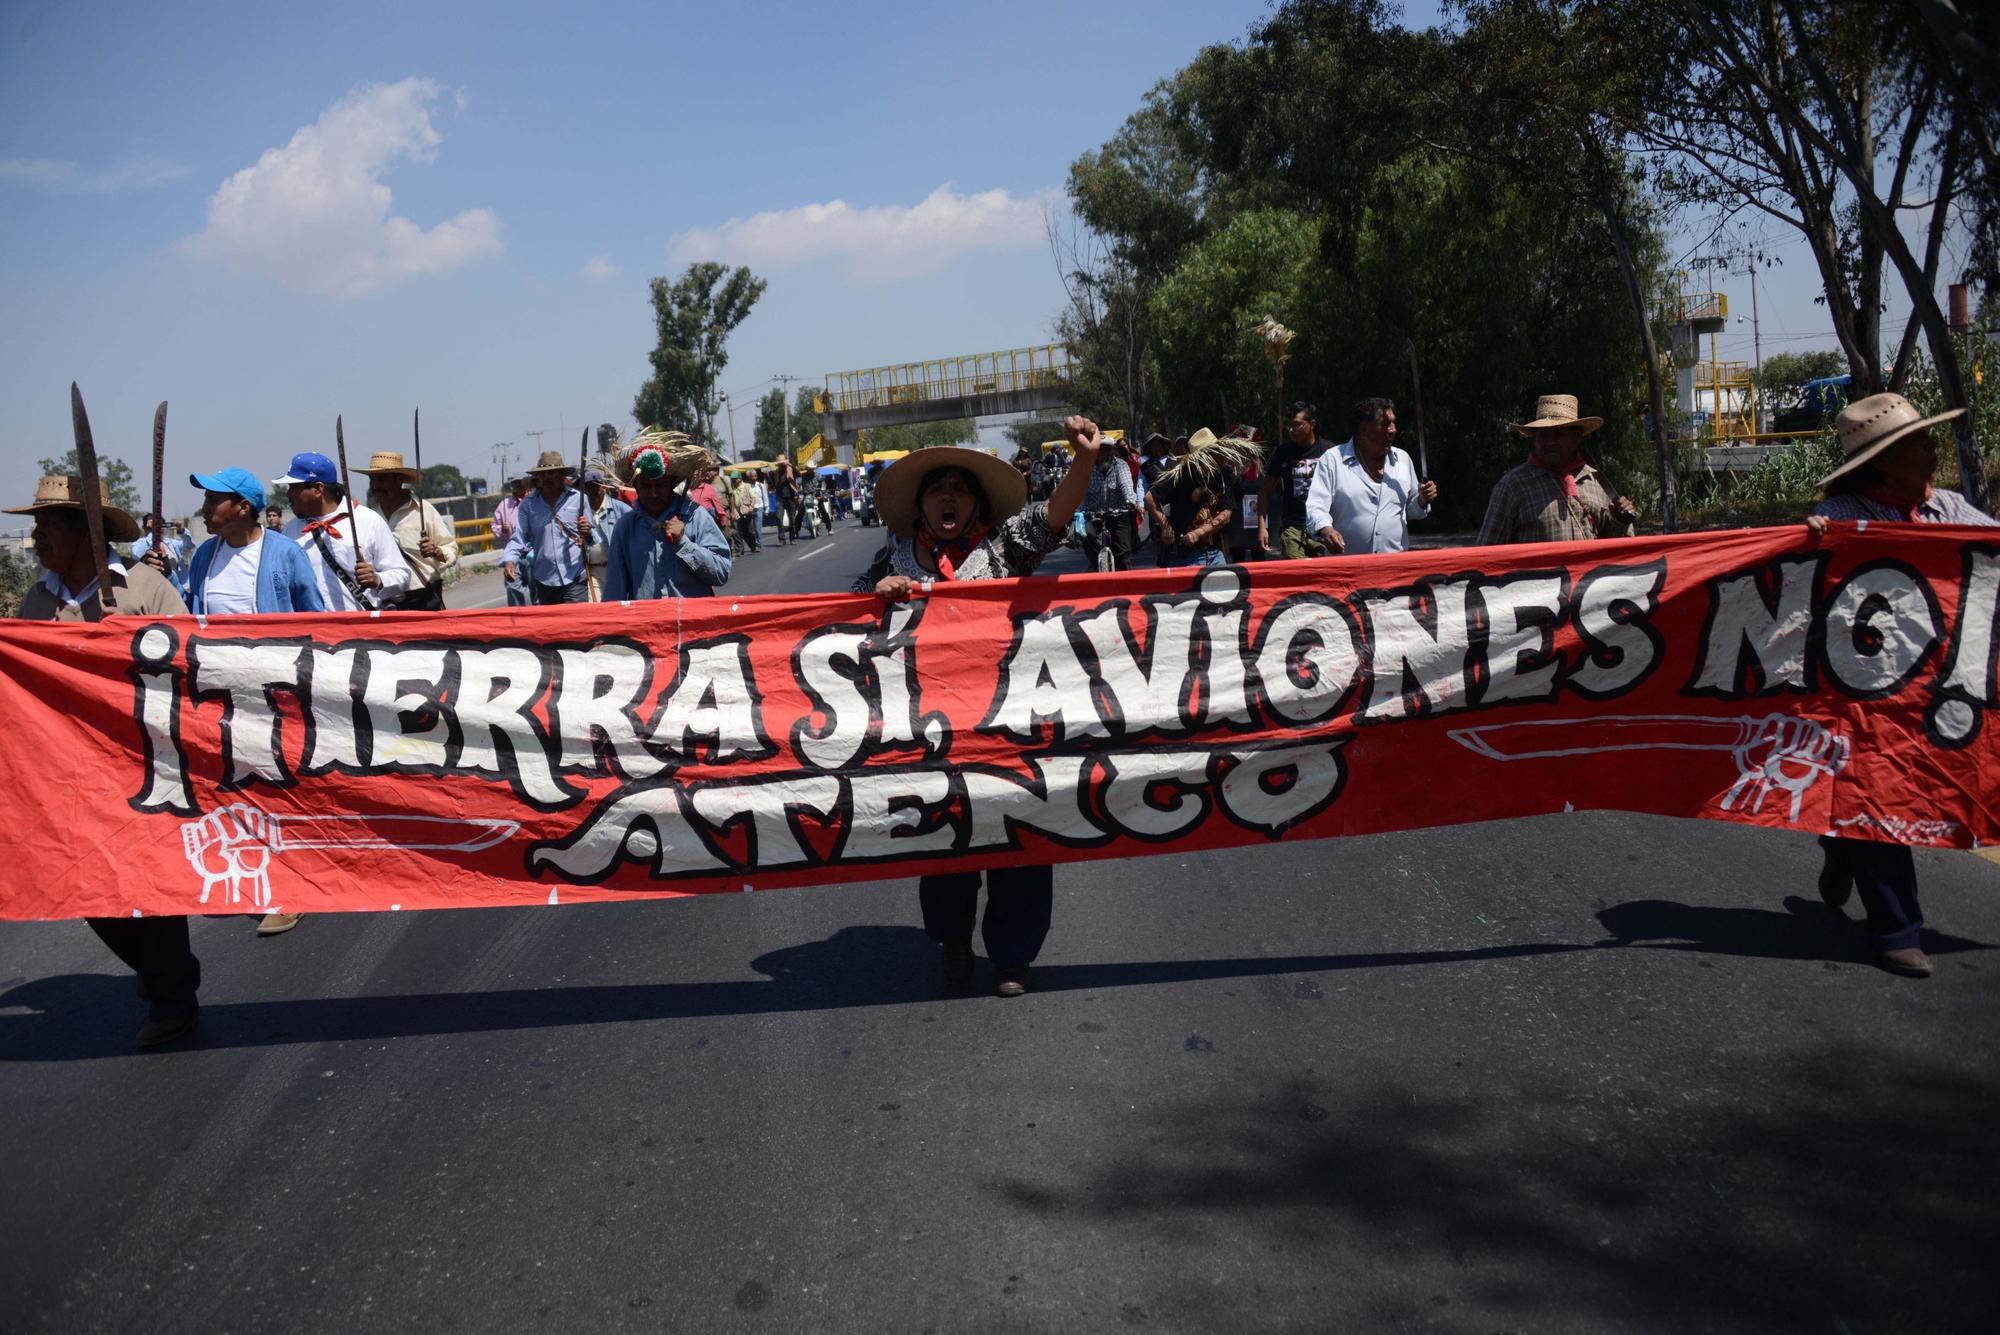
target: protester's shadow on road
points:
(1806, 930)
(78, 1016)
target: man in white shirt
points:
(325, 524)
(1365, 492)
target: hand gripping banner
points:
(324, 762)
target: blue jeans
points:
(517, 591)
(1196, 556)
(1885, 876)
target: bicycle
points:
(1093, 532)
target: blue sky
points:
(270, 214)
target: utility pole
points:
(785, 390)
(538, 441)
(735, 455)
(503, 454)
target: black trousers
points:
(1019, 902)
(1885, 876)
(1121, 532)
(157, 950)
(546, 594)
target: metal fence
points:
(949, 378)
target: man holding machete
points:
(1365, 492)
(428, 543)
(154, 948)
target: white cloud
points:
(68, 178)
(314, 216)
(599, 267)
(880, 244)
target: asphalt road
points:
(1575, 1073)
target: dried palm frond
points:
(1207, 461)
(1277, 340)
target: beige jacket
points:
(408, 529)
(141, 591)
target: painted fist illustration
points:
(231, 847)
(1786, 754)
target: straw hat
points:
(388, 461)
(1209, 456)
(551, 461)
(66, 493)
(656, 453)
(1558, 410)
(1871, 425)
(899, 485)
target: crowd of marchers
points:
(662, 519)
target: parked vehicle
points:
(1818, 401)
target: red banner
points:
(510, 756)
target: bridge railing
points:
(949, 378)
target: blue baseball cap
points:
(231, 482)
(309, 467)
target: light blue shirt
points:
(1370, 516)
(178, 549)
(550, 535)
(645, 565)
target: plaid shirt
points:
(1942, 507)
(1110, 487)
(1528, 505)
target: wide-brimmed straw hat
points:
(674, 454)
(551, 461)
(66, 493)
(897, 489)
(1558, 410)
(1871, 425)
(389, 462)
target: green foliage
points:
(1029, 435)
(116, 475)
(1783, 373)
(1361, 184)
(769, 436)
(921, 435)
(1260, 264)
(1980, 356)
(444, 480)
(17, 574)
(693, 317)
(1786, 485)
(768, 439)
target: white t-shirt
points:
(232, 577)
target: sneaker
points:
(275, 924)
(1013, 981)
(159, 1033)
(1909, 962)
(958, 962)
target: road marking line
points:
(814, 552)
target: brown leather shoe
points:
(1013, 981)
(1909, 962)
(158, 1033)
(275, 923)
(958, 962)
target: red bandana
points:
(948, 555)
(1904, 510)
(1567, 474)
(325, 525)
